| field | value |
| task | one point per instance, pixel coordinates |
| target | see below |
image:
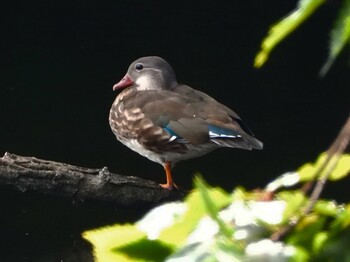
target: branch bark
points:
(59, 179)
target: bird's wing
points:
(188, 115)
(225, 127)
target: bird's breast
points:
(125, 122)
(129, 123)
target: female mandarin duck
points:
(168, 122)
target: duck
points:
(168, 122)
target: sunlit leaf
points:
(203, 188)
(328, 208)
(239, 193)
(212, 238)
(342, 168)
(106, 239)
(295, 201)
(335, 246)
(342, 219)
(301, 255)
(196, 209)
(211, 206)
(340, 35)
(306, 230)
(283, 28)
(319, 241)
(211, 225)
(341, 165)
(308, 171)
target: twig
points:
(333, 154)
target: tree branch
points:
(333, 153)
(79, 183)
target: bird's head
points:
(148, 73)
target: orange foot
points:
(170, 185)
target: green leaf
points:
(283, 28)
(106, 239)
(212, 239)
(212, 208)
(196, 209)
(327, 208)
(145, 250)
(340, 163)
(319, 241)
(301, 255)
(295, 201)
(342, 169)
(339, 37)
(199, 229)
(335, 248)
(239, 193)
(306, 230)
(149, 240)
(342, 220)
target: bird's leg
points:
(170, 185)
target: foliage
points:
(339, 36)
(212, 225)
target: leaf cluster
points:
(213, 225)
(339, 34)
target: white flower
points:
(238, 213)
(206, 229)
(286, 180)
(267, 250)
(160, 218)
(270, 212)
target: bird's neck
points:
(150, 83)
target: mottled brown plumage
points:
(168, 122)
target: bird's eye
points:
(139, 67)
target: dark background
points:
(60, 59)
